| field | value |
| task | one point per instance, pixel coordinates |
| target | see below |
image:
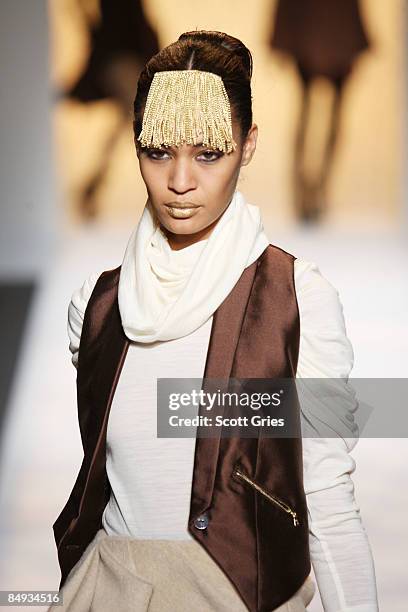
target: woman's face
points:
(189, 187)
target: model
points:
(220, 524)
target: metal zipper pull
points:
(276, 500)
(295, 519)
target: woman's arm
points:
(340, 551)
(76, 311)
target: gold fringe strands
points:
(190, 106)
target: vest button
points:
(201, 522)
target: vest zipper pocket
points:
(273, 498)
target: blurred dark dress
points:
(324, 37)
(122, 33)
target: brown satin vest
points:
(255, 334)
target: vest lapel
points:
(226, 327)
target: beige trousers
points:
(123, 574)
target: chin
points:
(183, 226)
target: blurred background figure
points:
(324, 38)
(121, 42)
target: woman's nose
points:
(181, 178)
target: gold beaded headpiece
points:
(190, 106)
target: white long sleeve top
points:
(151, 477)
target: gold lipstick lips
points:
(182, 211)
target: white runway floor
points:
(41, 450)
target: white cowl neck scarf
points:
(166, 294)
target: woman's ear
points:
(249, 146)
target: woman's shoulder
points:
(81, 295)
(307, 274)
(325, 349)
(318, 299)
(308, 277)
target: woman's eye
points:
(155, 153)
(211, 155)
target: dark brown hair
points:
(204, 50)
